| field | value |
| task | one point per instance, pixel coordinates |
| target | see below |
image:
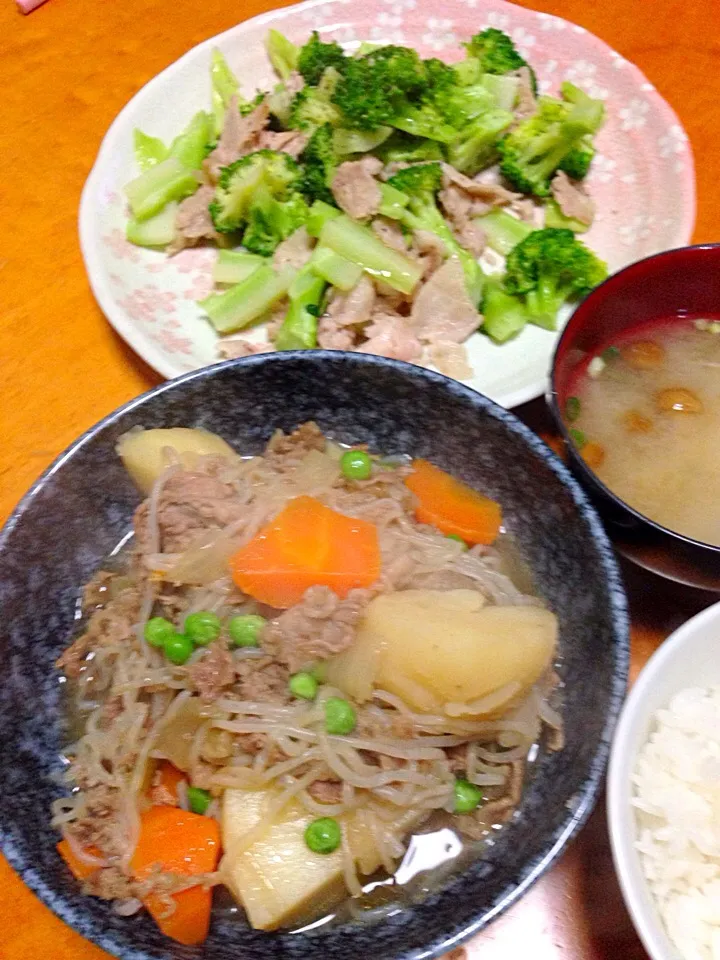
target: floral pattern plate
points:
(642, 178)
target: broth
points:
(645, 415)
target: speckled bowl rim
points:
(583, 801)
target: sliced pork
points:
(572, 198)
(355, 189)
(442, 309)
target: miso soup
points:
(644, 413)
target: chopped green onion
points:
(611, 353)
(572, 408)
(578, 437)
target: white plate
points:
(642, 179)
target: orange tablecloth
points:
(65, 71)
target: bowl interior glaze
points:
(82, 507)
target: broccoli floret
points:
(533, 151)
(547, 269)
(315, 57)
(319, 164)
(457, 101)
(312, 106)
(374, 89)
(404, 148)
(476, 147)
(247, 106)
(421, 183)
(577, 163)
(271, 220)
(260, 193)
(498, 54)
(392, 86)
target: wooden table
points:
(65, 71)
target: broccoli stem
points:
(504, 89)
(191, 147)
(543, 304)
(468, 71)
(503, 231)
(338, 271)
(166, 181)
(224, 87)
(299, 328)
(320, 214)
(393, 202)
(360, 245)
(586, 111)
(420, 125)
(148, 150)
(283, 53)
(234, 266)
(505, 315)
(554, 217)
(358, 141)
(156, 231)
(249, 300)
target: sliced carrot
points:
(176, 841)
(80, 870)
(452, 506)
(307, 545)
(168, 778)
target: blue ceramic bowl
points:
(79, 510)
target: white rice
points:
(677, 798)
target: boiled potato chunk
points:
(142, 451)
(440, 650)
(278, 880)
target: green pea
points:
(578, 437)
(202, 627)
(572, 408)
(178, 648)
(356, 465)
(340, 717)
(245, 630)
(458, 539)
(467, 796)
(303, 685)
(198, 800)
(157, 630)
(323, 835)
